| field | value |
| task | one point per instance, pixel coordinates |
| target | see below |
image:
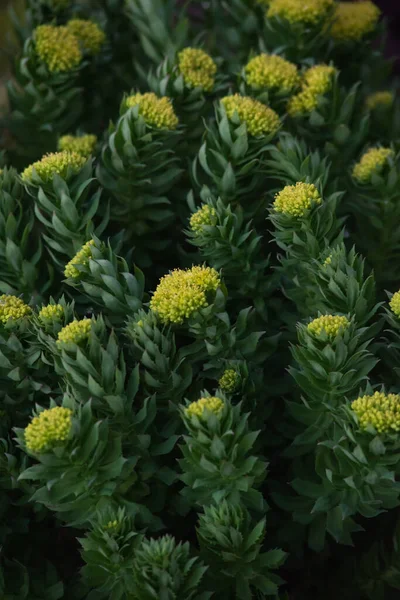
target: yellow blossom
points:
(354, 20)
(181, 293)
(371, 163)
(57, 47)
(206, 215)
(198, 68)
(60, 163)
(379, 100)
(272, 72)
(13, 308)
(74, 333)
(211, 405)
(157, 112)
(331, 325)
(310, 12)
(229, 380)
(81, 258)
(395, 304)
(315, 82)
(380, 411)
(260, 119)
(51, 312)
(50, 428)
(81, 144)
(296, 200)
(88, 33)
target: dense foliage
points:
(200, 309)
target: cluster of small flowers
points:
(81, 144)
(51, 312)
(60, 163)
(353, 20)
(181, 293)
(311, 12)
(271, 72)
(316, 82)
(371, 163)
(13, 308)
(260, 119)
(296, 200)
(331, 325)
(50, 428)
(229, 381)
(206, 215)
(81, 258)
(157, 112)
(60, 48)
(75, 332)
(380, 99)
(199, 408)
(197, 68)
(380, 411)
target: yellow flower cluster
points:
(157, 112)
(395, 304)
(331, 325)
(198, 68)
(57, 47)
(74, 333)
(272, 72)
(379, 99)
(299, 11)
(212, 405)
(50, 428)
(229, 380)
(60, 163)
(354, 20)
(88, 33)
(206, 215)
(316, 81)
(81, 144)
(13, 308)
(380, 411)
(371, 163)
(181, 293)
(81, 258)
(260, 119)
(296, 200)
(51, 312)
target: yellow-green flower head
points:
(380, 411)
(331, 325)
(198, 68)
(260, 119)
(157, 112)
(395, 304)
(51, 312)
(112, 525)
(371, 163)
(74, 333)
(50, 428)
(316, 82)
(211, 405)
(328, 260)
(181, 293)
(354, 20)
(206, 215)
(229, 381)
(60, 163)
(310, 12)
(57, 47)
(81, 258)
(81, 144)
(296, 200)
(13, 308)
(272, 72)
(379, 100)
(88, 33)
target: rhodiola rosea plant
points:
(200, 303)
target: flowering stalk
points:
(66, 202)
